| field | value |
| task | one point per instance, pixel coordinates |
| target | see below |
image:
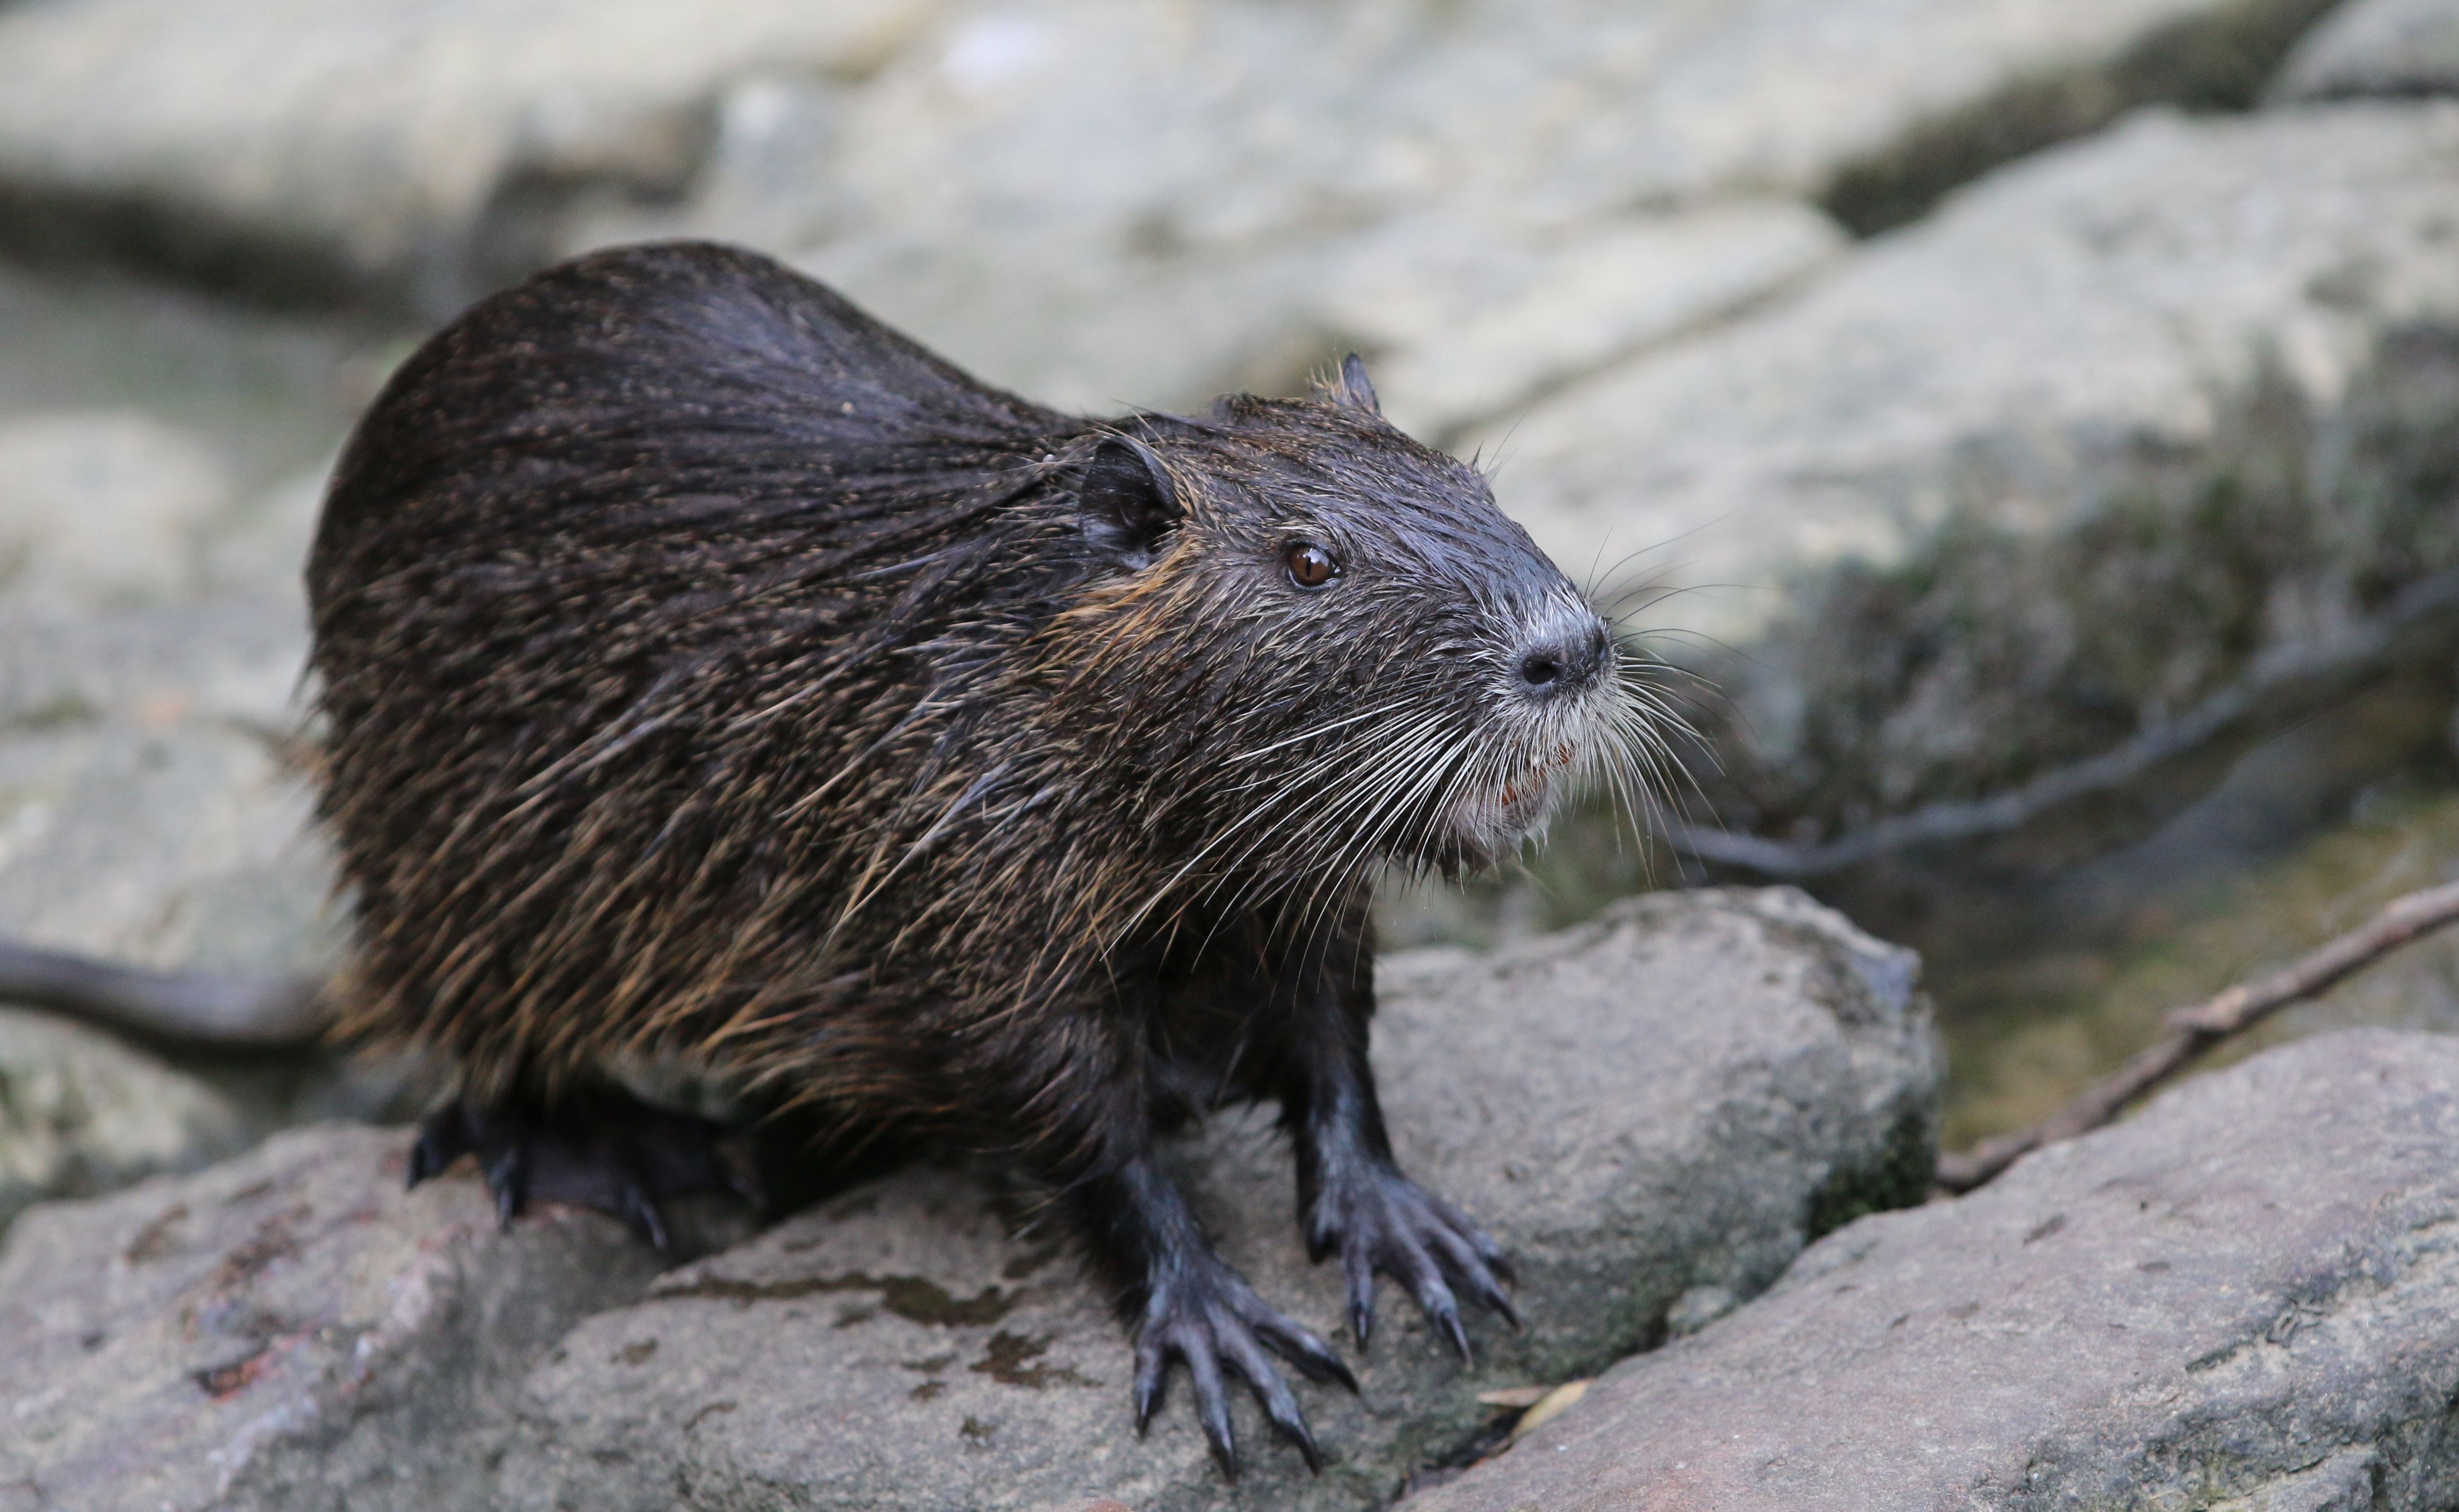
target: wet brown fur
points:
(661, 728)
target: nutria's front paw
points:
(1380, 1220)
(1201, 1311)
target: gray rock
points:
(419, 151)
(102, 507)
(2376, 47)
(1096, 204)
(301, 147)
(2107, 294)
(282, 1331)
(2247, 1297)
(82, 1114)
(153, 626)
(153, 629)
(1672, 1099)
(2180, 388)
(1468, 326)
(1463, 318)
(268, 397)
(151, 809)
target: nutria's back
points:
(708, 664)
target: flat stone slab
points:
(1651, 1113)
(282, 1330)
(2245, 1299)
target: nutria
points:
(714, 676)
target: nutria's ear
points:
(1352, 392)
(1128, 500)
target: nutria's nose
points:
(1564, 658)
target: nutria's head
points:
(1319, 645)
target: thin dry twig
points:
(2193, 1030)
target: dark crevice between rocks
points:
(1493, 1436)
(2277, 688)
(2217, 61)
(1699, 328)
(1487, 1441)
(1897, 1177)
(58, 229)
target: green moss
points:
(1898, 1177)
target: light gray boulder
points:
(2054, 464)
(82, 1114)
(1463, 318)
(2376, 47)
(150, 796)
(2120, 293)
(289, 1330)
(153, 626)
(1468, 325)
(418, 152)
(1652, 1113)
(2247, 1299)
(102, 507)
(1098, 203)
(303, 149)
(267, 396)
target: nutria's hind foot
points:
(601, 1148)
(1382, 1221)
(1206, 1314)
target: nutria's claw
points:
(1380, 1220)
(604, 1149)
(1208, 1317)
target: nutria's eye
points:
(1310, 566)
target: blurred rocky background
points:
(2027, 431)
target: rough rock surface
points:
(2245, 1299)
(2376, 47)
(1467, 319)
(1096, 202)
(158, 487)
(153, 628)
(280, 1329)
(82, 1114)
(1466, 330)
(1650, 1112)
(301, 148)
(2054, 463)
(268, 397)
(150, 809)
(2117, 292)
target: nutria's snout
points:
(1558, 705)
(1565, 653)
